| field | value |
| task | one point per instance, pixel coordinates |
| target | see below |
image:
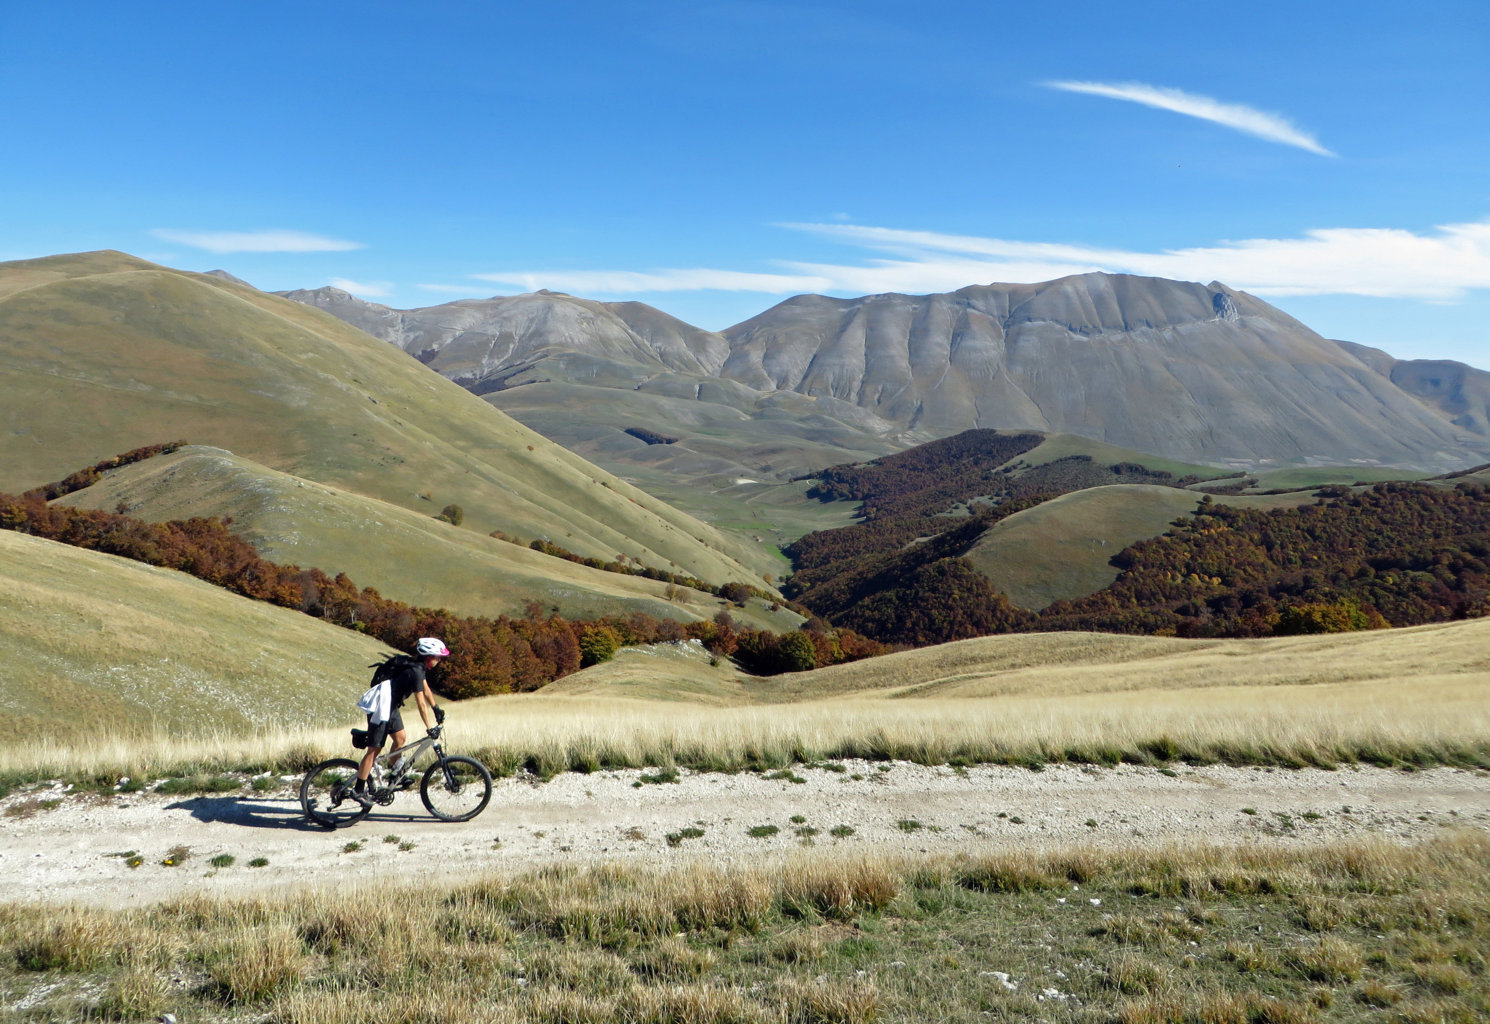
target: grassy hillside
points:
(101, 652)
(734, 452)
(1418, 695)
(1063, 548)
(406, 555)
(104, 352)
(1062, 446)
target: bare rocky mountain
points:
(596, 375)
(491, 344)
(1459, 391)
(1189, 371)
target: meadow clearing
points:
(938, 835)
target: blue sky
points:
(714, 158)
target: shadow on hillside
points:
(262, 813)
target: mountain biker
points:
(385, 720)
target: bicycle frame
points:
(395, 772)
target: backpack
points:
(377, 699)
(390, 666)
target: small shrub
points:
(26, 808)
(761, 831)
(259, 862)
(841, 831)
(785, 775)
(908, 825)
(223, 860)
(176, 856)
(691, 832)
(659, 777)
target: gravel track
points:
(74, 851)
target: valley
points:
(1138, 657)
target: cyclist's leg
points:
(377, 735)
(397, 733)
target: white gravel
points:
(74, 851)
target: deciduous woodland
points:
(1396, 554)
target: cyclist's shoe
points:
(362, 797)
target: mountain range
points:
(1188, 371)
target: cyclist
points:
(385, 721)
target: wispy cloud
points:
(363, 289)
(446, 289)
(1272, 127)
(256, 241)
(1440, 265)
(613, 282)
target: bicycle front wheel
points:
(326, 793)
(456, 788)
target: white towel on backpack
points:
(377, 702)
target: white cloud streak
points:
(363, 289)
(1438, 266)
(615, 282)
(1233, 115)
(256, 241)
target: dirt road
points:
(61, 847)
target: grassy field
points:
(105, 353)
(104, 653)
(1364, 932)
(434, 565)
(1306, 477)
(1411, 696)
(1061, 446)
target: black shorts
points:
(378, 734)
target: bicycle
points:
(453, 788)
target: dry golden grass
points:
(1400, 696)
(1188, 932)
(90, 638)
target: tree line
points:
(1394, 554)
(501, 654)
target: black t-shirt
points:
(406, 681)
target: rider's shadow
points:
(260, 813)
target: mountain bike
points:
(453, 788)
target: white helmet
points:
(431, 647)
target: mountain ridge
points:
(1190, 371)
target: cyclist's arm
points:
(424, 699)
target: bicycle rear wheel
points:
(456, 788)
(326, 793)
